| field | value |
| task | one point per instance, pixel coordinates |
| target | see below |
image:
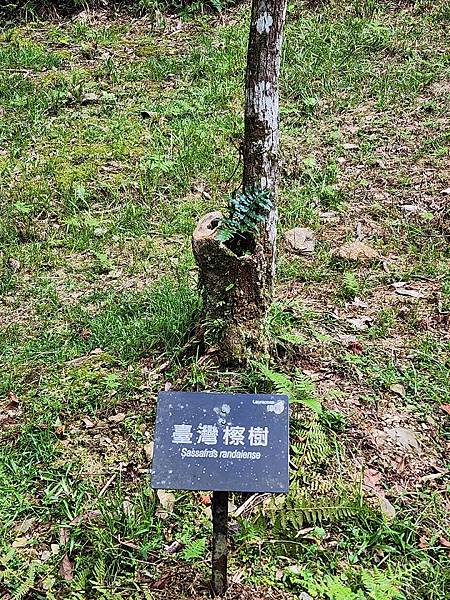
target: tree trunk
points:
(238, 285)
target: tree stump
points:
(235, 297)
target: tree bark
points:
(238, 285)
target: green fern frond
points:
(246, 210)
(28, 583)
(379, 586)
(300, 390)
(196, 549)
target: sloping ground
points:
(116, 134)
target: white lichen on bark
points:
(264, 23)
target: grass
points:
(116, 135)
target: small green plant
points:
(195, 549)
(350, 286)
(246, 210)
(300, 389)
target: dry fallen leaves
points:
(66, 568)
(117, 418)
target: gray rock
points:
(300, 239)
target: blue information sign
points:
(221, 442)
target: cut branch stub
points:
(233, 293)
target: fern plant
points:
(350, 286)
(195, 549)
(246, 211)
(300, 389)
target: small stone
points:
(89, 98)
(46, 554)
(54, 548)
(148, 451)
(300, 239)
(14, 264)
(410, 208)
(398, 389)
(357, 251)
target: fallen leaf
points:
(167, 502)
(357, 251)
(161, 583)
(127, 507)
(46, 554)
(20, 542)
(117, 418)
(14, 264)
(13, 401)
(63, 536)
(355, 347)
(360, 323)
(295, 569)
(174, 547)
(446, 191)
(88, 423)
(85, 333)
(398, 388)
(410, 208)
(372, 478)
(405, 292)
(349, 146)
(445, 408)
(149, 114)
(25, 525)
(444, 542)
(66, 568)
(386, 507)
(89, 516)
(433, 476)
(205, 499)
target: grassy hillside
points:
(116, 134)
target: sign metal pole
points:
(219, 542)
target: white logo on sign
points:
(277, 407)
